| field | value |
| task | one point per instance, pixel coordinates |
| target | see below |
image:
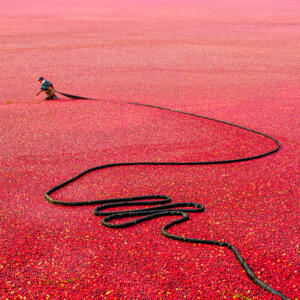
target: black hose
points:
(175, 209)
(74, 96)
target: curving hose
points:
(161, 208)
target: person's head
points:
(40, 79)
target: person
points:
(48, 88)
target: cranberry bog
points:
(237, 62)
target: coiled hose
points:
(159, 201)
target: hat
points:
(41, 78)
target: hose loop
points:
(160, 207)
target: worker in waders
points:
(48, 88)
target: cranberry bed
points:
(222, 59)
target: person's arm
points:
(39, 92)
(52, 88)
